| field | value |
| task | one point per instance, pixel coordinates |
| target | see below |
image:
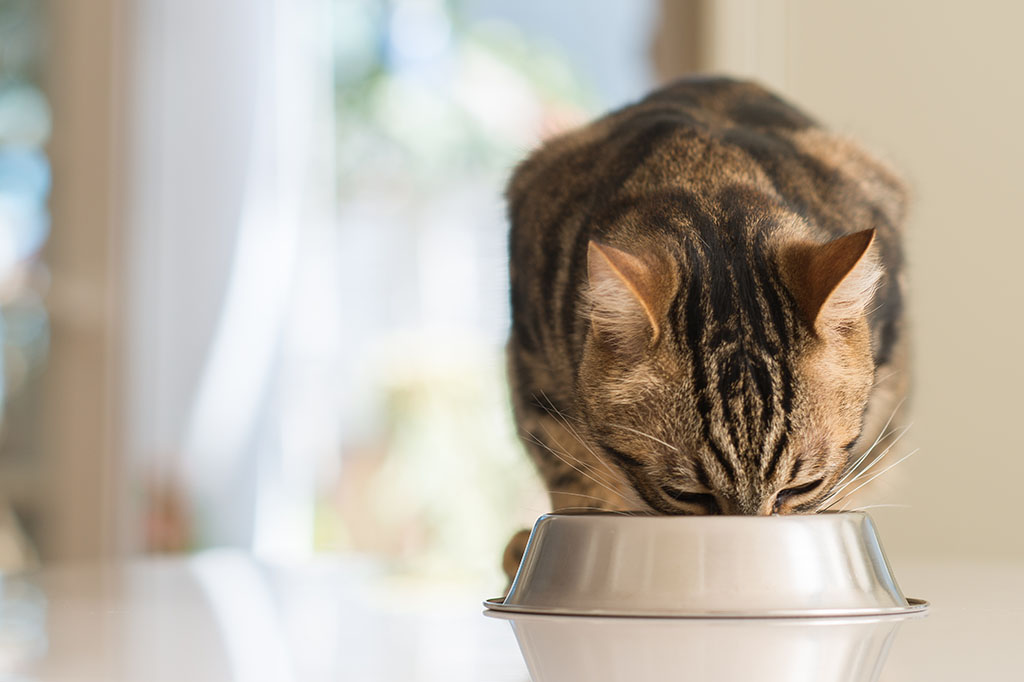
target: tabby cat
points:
(706, 306)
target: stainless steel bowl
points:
(708, 566)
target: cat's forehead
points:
(733, 301)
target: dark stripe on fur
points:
(695, 324)
(780, 447)
(622, 459)
(701, 474)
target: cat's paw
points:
(514, 553)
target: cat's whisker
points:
(886, 377)
(616, 476)
(883, 432)
(569, 459)
(589, 497)
(839, 488)
(556, 414)
(886, 451)
(596, 508)
(882, 435)
(563, 420)
(875, 506)
(888, 468)
(620, 512)
(852, 469)
(552, 410)
(879, 458)
(645, 435)
(591, 476)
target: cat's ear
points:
(624, 294)
(834, 282)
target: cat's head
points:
(729, 378)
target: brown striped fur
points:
(705, 286)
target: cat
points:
(707, 306)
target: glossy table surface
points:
(224, 616)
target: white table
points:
(223, 616)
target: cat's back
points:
(699, 137)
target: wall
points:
(83, 496)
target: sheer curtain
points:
(302, 379)
(232, 188)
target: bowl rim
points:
(692, 518)
(913, 606)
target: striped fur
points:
(743, 374)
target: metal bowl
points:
(819, 565)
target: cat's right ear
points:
(623, 296)
(834, 282)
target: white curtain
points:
(232, 148)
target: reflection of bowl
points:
(571, 649)
(705, 566)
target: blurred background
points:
(253, 270)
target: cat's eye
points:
(707, 501)
(796, 491)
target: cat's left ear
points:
(625, 295)
(834, 282)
